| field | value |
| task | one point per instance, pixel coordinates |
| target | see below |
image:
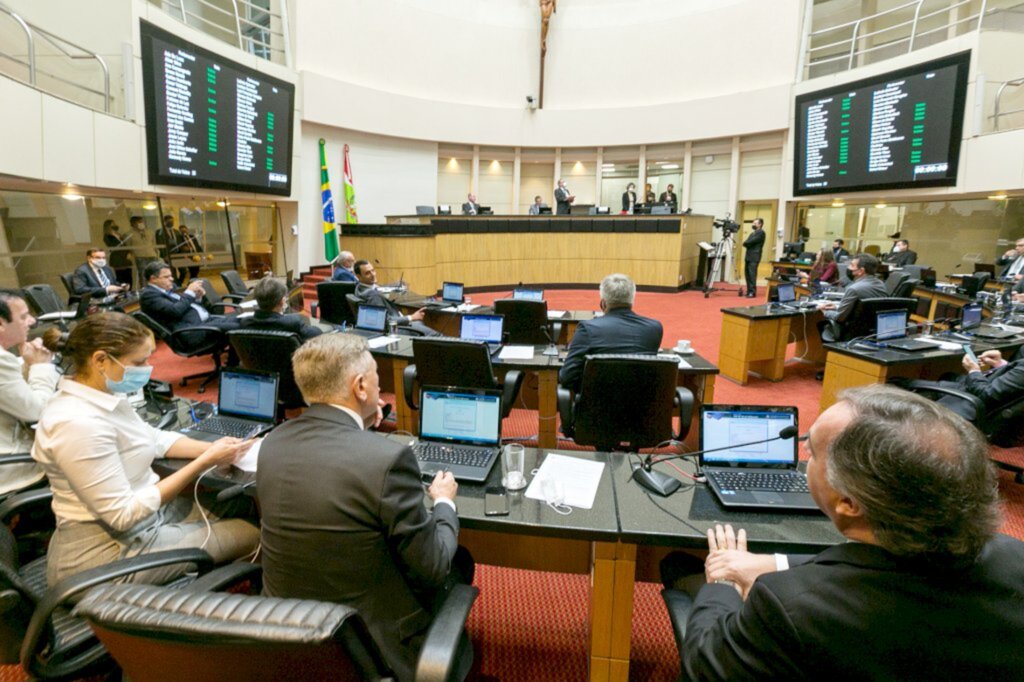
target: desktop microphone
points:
(552, 349)
(665, 485)
(234, 491)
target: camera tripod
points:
(717, 257)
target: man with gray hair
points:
(343, 268)
(619, 330)
(343, 518)
(924, 588)
(271, 303)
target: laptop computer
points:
(460, 431)
(371, 321)
(891, 332)
(451, 294)
(787, 297)
(970, 323)
(246, 406)
(528, 294)
(486, 328)
(748, 474)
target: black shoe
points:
(820, 375)
(751, 295)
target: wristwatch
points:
(723, 581)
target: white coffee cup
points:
(683, 346)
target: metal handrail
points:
(996, 113)
(242, 40)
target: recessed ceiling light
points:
(670, 166)
(1001, 196)
(149, 207)
(72, 197)
(222, 204)
(881, 204)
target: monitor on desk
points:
(737, 430)
(970, 316)
(787, 292)
(891, 324)
(451, 292)
(486, 328)
(528, 294)
(544, 210)
(372, 318)
(248, 393)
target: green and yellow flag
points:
(327, 205)
(351, 217)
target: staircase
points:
(317, 274)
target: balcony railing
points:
(251, 26)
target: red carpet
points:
(520, 635)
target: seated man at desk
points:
(1013, 262)
(175, 311)
(537, 205)
(925, 588)
(343, 268)
(864, 284)
(995, 381)
(470, 207)
(342, 508)
(901, 254)
(368, 293)
(619, 330)
(95, 277)
(271, 303)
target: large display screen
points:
(211, 122)
(895, 131)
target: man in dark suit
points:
(176, 311)
(271, 302)
(169, 241)
(861, 270)
(619, 330)
(753, 244)
(367, 292)
(343, 271)
(471, 207)
(924, 588)
(994, 380)
(191, 249)
(563, 199)
(668, 196)
(839, 249)
(343, 518)
(901, 254)
(95, 277)
(1013, 262)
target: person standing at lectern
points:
(752, 258)
(563, 198)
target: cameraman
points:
(753, 245)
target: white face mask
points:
(100, 262)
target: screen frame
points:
(961, 59)
(791, 410)
(148, 31)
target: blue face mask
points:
(133, 379)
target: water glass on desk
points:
(513, 464)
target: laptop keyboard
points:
(771, 481)
(226, 426)
(452, 454)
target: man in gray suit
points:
(343, 518)
(861, 269)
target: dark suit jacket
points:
(626, 203)
(668, 198)
(857, 612)
(620, 330)
(343, 521)
(173, 314)
(561, 201)
(1007, 263)
(371, 296)
(995, 388)
(753, 245)
(343, 275)
(470, 208)
(839, 253)
(901, 258)
(276, 321)
(117, 259)
(168, 241)
(84, 280)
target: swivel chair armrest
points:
(408, 382)
(679, 606)
(223, 577)
(213, 338)
(221, 308)
(509, 390)
(314, 309)
(37, 638)
(441, 646)
(565, 401)
(22, 502)
(684, 399)
(234, 298)
(931, 387)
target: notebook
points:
(528, 294)
(451, 294)
(487, 328)
(246, 406)
(970, 323)
(787, 297)
(748, 473)
(460, 431)
(370, 321)
(891, 332)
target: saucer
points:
(680, 351)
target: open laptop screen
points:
(486, 328)
(787, 293)
(252, 395)
(891, 324)
(970, 316)
(372, 317)
(452, 291)
(732, 426)
(528, 294)
(461, 416)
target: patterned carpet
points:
(533, 626)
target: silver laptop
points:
(487, 328)
(371, 321)
(460, 431)
(246, 406)
(748, 473)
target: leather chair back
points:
(270, 350)
(894, 280)
(453, 362)
(331, 301)
(625, 399)
(42, 299)
(68, 280)
(525, 321)
(906, 288)
(234, 282)
(863, 321)
(353, 302)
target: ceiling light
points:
(149, 207)
(670, 166)
(881, 204)
(223, 204)
(72, 197)
(577, 167)
(1001, 196)
(838, 203)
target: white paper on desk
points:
(516, 353)
(246, 305)
(466, 307)
(379, 341)
(580, 479)
(555, 314)
(248, 461)
(683, 364)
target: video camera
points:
(727, 226)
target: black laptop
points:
(460, 431)
(246, 406)
(451, 294)
(523, 294)
(487, 328)
(891, 332)
(787, 298)
(371, 321)
(748, 474)
(970, 323)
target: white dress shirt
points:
(1016, 267)
(97, 453)
(21, 403)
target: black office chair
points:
(190, 342)
(455, 362)
(972, 284)
(679, 605)
(915, 270)
(353, 302)
(626, 402)
(37, 628)
(863, 320)
(235, 284)
(331, 302)
(894, 280)
(1001, 424)
(156, 633)
(906, 288)
(217, 304)
(270, 350)
(526, 322)
(46, 305)
(68, 280)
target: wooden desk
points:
(758, 337)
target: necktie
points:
(104, 280)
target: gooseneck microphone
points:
(665, 485)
